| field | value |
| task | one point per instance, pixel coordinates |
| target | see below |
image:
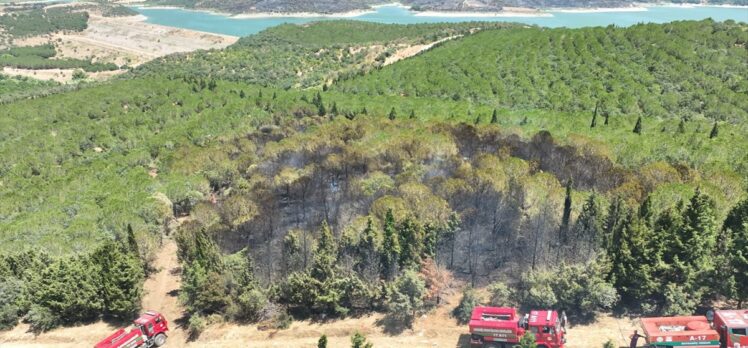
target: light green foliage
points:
(11, 290)
(41, 319)
(390, 247)
(406, 298)
(464, 309)
(121, 279)
(67, 289)
(195, 326)
(633, 70)
(307, 56)
(359, 341)
(82, 163)
(528, 340)
(39, 21)
(14, 87)
(580, 290)
(500, 295)
(38, 57)
(735, 229)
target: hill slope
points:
(677, 70)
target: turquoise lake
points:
(214, 23)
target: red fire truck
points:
(501, 327)
(732, 326)
(727, 331)
(147, 331)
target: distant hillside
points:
(334, 6)
(677, 70)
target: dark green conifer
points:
(638, 126)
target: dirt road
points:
(162, 292)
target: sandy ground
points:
(121, 40)
(128, 40)
(59, 75)
(410, 51)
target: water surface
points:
(220, 24)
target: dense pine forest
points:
(586, 170)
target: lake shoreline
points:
(508, 13)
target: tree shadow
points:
(174, 293)
(391, 325)
(463, 341)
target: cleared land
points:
(125, 41)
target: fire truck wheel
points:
(542, 346)
(159, 340)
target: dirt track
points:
(437, 329)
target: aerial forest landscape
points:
(357, 173)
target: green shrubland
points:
(655, 70)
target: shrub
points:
(359, 341)
(500, 295)
(528, 340)
(41, 319)
(196, 326)
(250, 303)
(464, 309)
(10, 293)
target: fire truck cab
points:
(147, 331)
(732, 326)
(548, 328)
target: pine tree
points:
(411, 242)
(132, 242)
(120, 279)
(325, 255)
(715, 131)
(317, 100)
(682, 126)
(334, 110)
(477, 120)
(495, 117)
(364, 111)
(638, 126)
(322, 342)
(321, 111)
(614, 221)
(588, 228)
(607, 118)
(390, 247)
(412, 114)
(393, 114)
(242, 94)
(368, 253)
(735, 234)
(566, 217)
(594, 116)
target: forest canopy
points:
(358, 187)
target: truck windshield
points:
(740, 332)
(496, 317)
